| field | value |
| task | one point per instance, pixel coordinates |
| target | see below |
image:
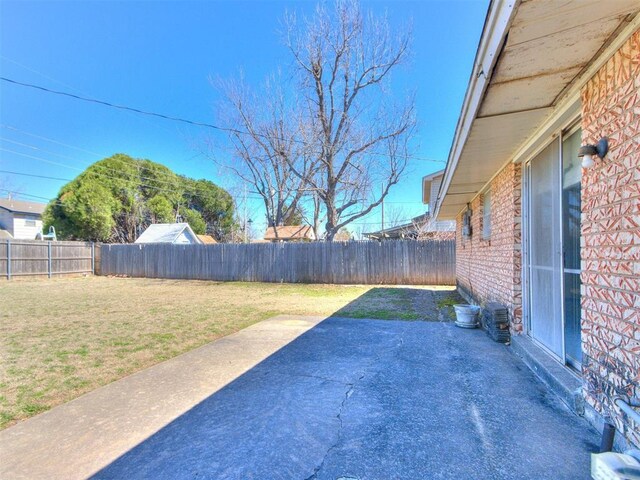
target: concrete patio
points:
(313, 398)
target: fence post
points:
(93, 258)
(49, 258)
(8, 259)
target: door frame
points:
(565, 133)
(560, 133)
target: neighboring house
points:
(176, 233)
(207, 239)
(21, 219)
(430, 187)
(421, 227)
(555, 242)
(291, 233)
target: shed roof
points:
(22, 206)
(207, 239)
(533, 56)
(165, 233)
(290, 232)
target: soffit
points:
(490, 139)
(547, 46)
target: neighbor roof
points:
(427, 181)
(165, 233)
(290, 232)
(21, 206)
(408, 228)
(532, 57)
(207, 239)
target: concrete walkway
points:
(303, 398)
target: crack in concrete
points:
(347, 395)
(317, 377)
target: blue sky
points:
(159, 56)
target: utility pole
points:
(245, 213)
(382, 188)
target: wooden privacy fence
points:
(20, 258)
(410, 262)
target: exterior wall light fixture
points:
(587, 152)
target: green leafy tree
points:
(195, 220)
(214, 205)
(161, 209)
(116, 199)
(83, 213)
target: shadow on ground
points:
(371, 399)
(403, 303)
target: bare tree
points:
(7, 188)
(335, 141)
(343, 60)
(266, 146)
(396, 216)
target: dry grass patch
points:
(64, 337)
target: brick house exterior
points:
(599, 95)
(611, 236)
(490, 270)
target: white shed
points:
(177, 233)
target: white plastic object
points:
(614, 466)
(467, 315)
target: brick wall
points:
(611, 237)
(490, 270)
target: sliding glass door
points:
(552, 253)
(545, 309)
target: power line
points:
(32, 70)
(58, 202)
(10, 127)
(98, 155)
(163, 174)
(129, 180)
(123, 107)
(25, 194)
(40, 159)
(35, 176)
(177, 119)
(46, 177)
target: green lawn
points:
(61, 338)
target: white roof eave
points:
(499, 18)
